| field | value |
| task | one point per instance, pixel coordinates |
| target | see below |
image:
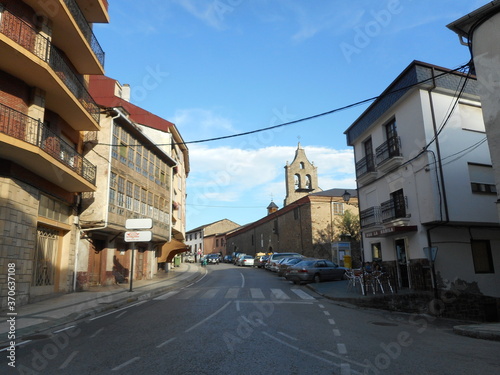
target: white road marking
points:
(114, 312)
(166, 342)
(166, 295)
(64, 329)
(67, 361)
(341, 348)
(97, 332)
(232, 293)
(302, 294)
(256, 293)
(279, 294)
(287, 336)
(208, 318)
(125, 364)
(210, 293)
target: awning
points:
(391, 231)
(171, 249)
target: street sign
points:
(139, 224)
(138, 236)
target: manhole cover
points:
(385, 324)
(36, 337)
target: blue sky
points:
(223, 67)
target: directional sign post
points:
(137, 236)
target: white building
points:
(425, 180)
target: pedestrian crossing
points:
(274, 294)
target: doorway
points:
(402, 262)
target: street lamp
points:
(346, 196)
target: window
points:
(137, 198)
(143, 202)
(129, 197)
(399, 202)
(45, 257)
(53, 209)
(121, 192)
(308, 182)
(368, 146)
(116, 142)
(217, 242)
(392, 138)
(481, 256)
(338, 208)
(376, 251)
(297, 182)
(482, 179)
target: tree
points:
(347, 225)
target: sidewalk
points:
(34, 318)
(337, 291)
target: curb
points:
(24, 334)
(476, 332)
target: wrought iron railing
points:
(389, 149)
(23, 34)
(394, 208)
(85, 29)
(28, 129)
(365, 166)
(370, 216)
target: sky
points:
(218, 68)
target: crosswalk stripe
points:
(232, 293)
(166, 295)
(256, 293)
(210, 293)
(302, 294)
(279, 294)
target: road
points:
(248, 321)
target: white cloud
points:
(197, 123)
(225, 174)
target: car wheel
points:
(317, 278)
(296, 282)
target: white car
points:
(246, 260)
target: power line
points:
(339, 109)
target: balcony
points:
(394, 209)
(388, 154)
(72, 33)
(370, 217)
(365, 170)
(39, 64)
(31, 144)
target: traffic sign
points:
(138, 236)
(139, 224)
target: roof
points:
(299, 202)
(468, 23)
(419, 75)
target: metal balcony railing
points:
(370, 216)
(85, 29)
(394, 208)
(365, 166)
(23, 34)
(389, 149)
(28, 129)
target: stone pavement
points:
(54, 313)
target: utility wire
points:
(301, 119)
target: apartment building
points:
(46, 54)
(209, 238)
(137, 165)
(426, 183)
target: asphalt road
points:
(248, 321)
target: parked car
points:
(228, 259)
(213, 259)
(245, 260)
(271, 264)
(260, 261)
(237, 258)
(190, 258)
(285, 264)
(316, 270)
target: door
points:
(402, 263)
(95, 262)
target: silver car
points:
(316, 270)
